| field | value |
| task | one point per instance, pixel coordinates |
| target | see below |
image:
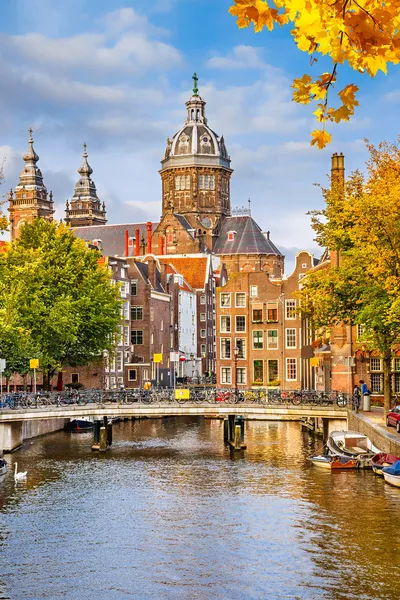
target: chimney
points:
(149, 240)
(152, 268)
(126, 242)
(137, 241)
(163, 267)
(337, 169)
(161, 245)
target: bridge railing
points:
(198, 395)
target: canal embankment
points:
(372, 424)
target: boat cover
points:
(393, 469)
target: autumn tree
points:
(58, 296)
(3, 218)
(364, 34)
(360, 224)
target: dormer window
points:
(231, 236)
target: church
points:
(198, 233)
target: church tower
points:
(30, 200)
(195, 178)
(85, 207)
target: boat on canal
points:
(330, 461)
(392, 474)
(352, 444)
(3, 468)
(381, 460)
(80, 425)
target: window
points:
(257, 315)
(396, 364)
(291, 338)
(291, 369)
(396, 383)
(225, 324)
(231, 236)
(253, 291)
(202, 316)
(240, 299)
(258, 342)
(74, 377)
(272, 339)
(203, 299)
(192, 319)
(206, 182)
(360, 331)
(203, 349)
(240, 323)
(182, 182)
(136, 313)
(225, 300)
(126, 335)
(119, 361)
(225, 348)
(134, 287)
(272, 313)
(202, 333)
(376, 382)
(304, 266)
(132, 374)
(226, 375)
(136, 337)
(241, 375)
(375, 364)
(126, 310)
(273, 372)
(258, 370)
(290, 309)
(241, 344)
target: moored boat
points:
(3, 468)
(392, 474)
(329, 461)
(353, 445)
(381, 460)
(80, 425)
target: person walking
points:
(356, 397)
(365, 394)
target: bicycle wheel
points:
(341, 400)
(295, 399)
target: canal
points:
(169, 513)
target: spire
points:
(31, 175)
(85, 169)
(31, 158)
(195, 81)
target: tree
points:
(361, 226)
(3, 218)
(364, 34)
(58, 295)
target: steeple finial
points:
(30, 135)
(85, 169)
(249, 201)
(195, 81)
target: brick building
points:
(258, 315)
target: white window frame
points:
(222, 319)
(203, 299)
(229, 296)
(360, 330)
(245, 324)
(202, 316)
(222, 347)
(269, 347)
(374, 361)
(262, 339)
(268, 361)
(253, 291)
(290, 304)
(243, 339)
(243, 371)
(226, 374)
(293, 336)
(129, 375)
(241, 294)
(203, 333)
(292, 361)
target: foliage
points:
(3, 218)
(362, 33)
(360, 224)
(58, 296)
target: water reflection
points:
(169, 512)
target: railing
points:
(210, 395)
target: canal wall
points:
(382, 439)
(13, 435)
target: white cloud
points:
(241, 57)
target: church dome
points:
(196, 138)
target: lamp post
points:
(235, 356)
(105, 359)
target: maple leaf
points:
(320, 138)
(347, 96)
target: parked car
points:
(393, 418)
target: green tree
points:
(360, 224)
(3, 218)
(62, 298)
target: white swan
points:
(19, 476)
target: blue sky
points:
(115, 74)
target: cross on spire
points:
(195, 81)
(30, 134)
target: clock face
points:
(206, 222)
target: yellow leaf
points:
(347, 95)
(341, 114)
(320, 138)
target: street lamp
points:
(105, 360)
(235, 356)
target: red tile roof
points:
(193, 269)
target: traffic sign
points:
(182, 394)
(157, 358)
(2, 364)
(34, 363)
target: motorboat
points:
(3, 468)
(392, 474)
(80, 425)
(353, 445)
(381, 460)
(329, 461)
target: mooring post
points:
(226, 430)
(109, 433)
(96, 432)
(103, 439)
(238, 445)
(231, 419)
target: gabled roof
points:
(143, 269)
(248, 238)
(112, 236)
(194, 269)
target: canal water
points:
(170, 513)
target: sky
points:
(116, 75)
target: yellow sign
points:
(34, 363)
(314, 362)
(182, 394)
(157, 358)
